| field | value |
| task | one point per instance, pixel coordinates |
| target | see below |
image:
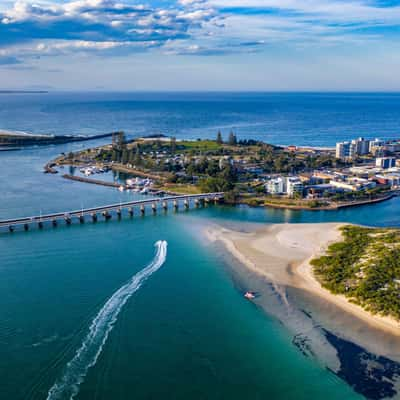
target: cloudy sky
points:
(200, 44)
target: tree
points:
(124, 157)
(231, 196)
(137, 160)
(173, 144)
(120, 141)
(116, 156)
(131, 156)
(229, 175)
(232, 141)
(219, 138)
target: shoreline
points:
(50, 167)
(336, 206)
(330, 207)
(282, 254)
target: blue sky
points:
(200, 44)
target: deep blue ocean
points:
(186, 332)
(312, 119)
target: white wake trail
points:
(67, 387)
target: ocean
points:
(312, 119)
(95, 311)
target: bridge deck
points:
(106, 208)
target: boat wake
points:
(67, 387)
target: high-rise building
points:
(376, 147)
(344, 150)
(350, 150)
(361, 146)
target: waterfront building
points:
(346, 186)
(294, 186)
(385, 162)
(349, 150)
(275, 186)
(393, 147)
(360, 146)
(344, 150)
(376, 146)
(353, 184)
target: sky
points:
(212, 45)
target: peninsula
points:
(249, 171)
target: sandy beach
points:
(282, 254)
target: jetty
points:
(107, 212)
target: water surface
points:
(187, 332)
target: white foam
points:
(67, 387)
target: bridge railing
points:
(105, 208)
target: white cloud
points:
(192, 27)
(99, 24)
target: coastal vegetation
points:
(285, 202)
(203, 155)
(364, 267)
(211, 165)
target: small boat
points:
(121, 188)
(250, 295)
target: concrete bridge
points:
(108, 211)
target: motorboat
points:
(250, 295)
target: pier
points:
(107, 212)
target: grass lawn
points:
(203, 145)
(181, 188)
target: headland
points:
(250, 172)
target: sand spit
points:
(281, 253)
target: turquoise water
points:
(186, 333)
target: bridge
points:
(107, 210)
